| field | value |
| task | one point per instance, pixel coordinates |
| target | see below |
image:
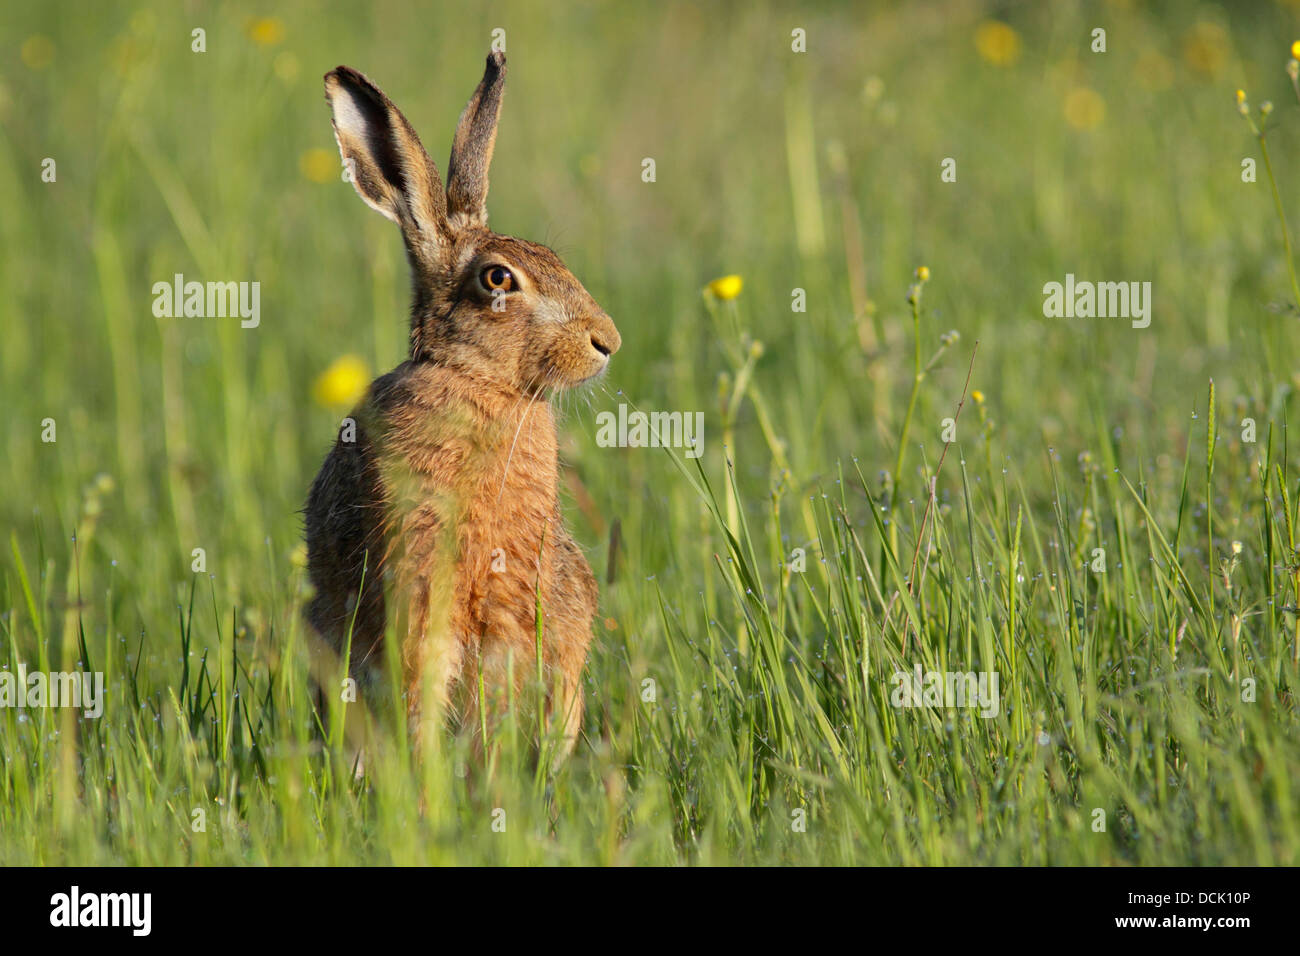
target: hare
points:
(437, 510)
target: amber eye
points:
(496, 278)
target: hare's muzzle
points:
(604, 336)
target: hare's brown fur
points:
(443, 515)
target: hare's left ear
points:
(389, 168)
(471, 151)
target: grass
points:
(738, 709)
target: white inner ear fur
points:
(349, 121)
(347, 116)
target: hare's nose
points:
(604, 337)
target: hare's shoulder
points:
(433, 428)
(435, 395)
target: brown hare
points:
(437, 510)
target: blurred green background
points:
(817, 170)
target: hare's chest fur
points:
(471, 510)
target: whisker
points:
(523, 418)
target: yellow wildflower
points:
(343, 383)
(285, 66)
(37, 52)
(1084, 108)
(727, 287)
(997, 43)
(1205, 48)
(266, 31)
(1153, 71)
(319, 165)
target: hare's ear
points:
(471, 151)
(386, 162)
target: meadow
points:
(1113, 525)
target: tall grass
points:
(739, 694)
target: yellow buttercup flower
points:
(727, 287)
(343, 383)
(1241, 97)
(266, 31)
(1153, 71)
(923, 273)
(1295, 50)
(285, 66)
(320, 165)
(978, 396)
(37, 52)
(1205, 48)
(1084, 108)
(997, 43)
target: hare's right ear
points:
(385, 159)
(471, 150)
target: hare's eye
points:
(497, 277)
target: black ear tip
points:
(343, 74)
(496, 59)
